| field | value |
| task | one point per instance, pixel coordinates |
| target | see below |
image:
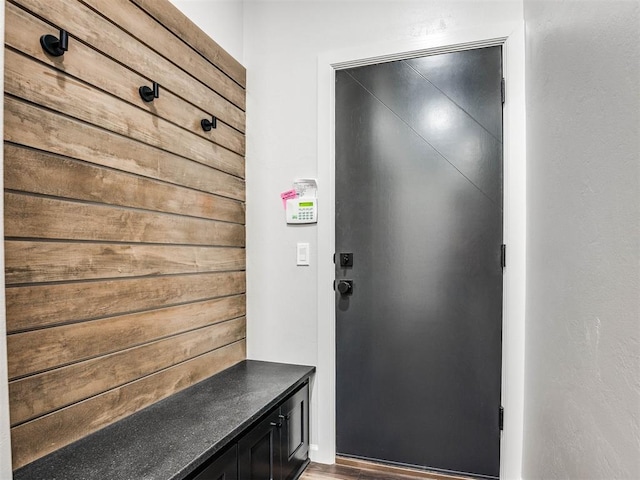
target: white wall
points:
(582, 410)
(282, 43)
(222, 20)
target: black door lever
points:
(345, 287)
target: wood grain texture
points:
(29, 125)
(40, 394)
(374, 470)
(178, 23)
(39, 350)
(36, 262)
(39, 217)
(62, 93)
(124, 220)
(34, 171)
(106, 74)
(37, 306)
(46, 434)
(153, 34)
(85, 25)
(369, 471)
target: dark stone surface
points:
(170, 439)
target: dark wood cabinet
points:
(277, 448)
(225, 467)
(259, 450)
(274, 448)
(195, 434)
(294, 434)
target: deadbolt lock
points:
(346, 259)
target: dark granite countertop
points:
(170, 439)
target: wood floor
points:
(317, 471)
(347, 469)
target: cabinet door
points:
(259, 450)
(224, 467)
(295, 433)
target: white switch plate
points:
(303, 254)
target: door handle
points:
(345, 287)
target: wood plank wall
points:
(124, 220)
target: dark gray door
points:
(419, 204)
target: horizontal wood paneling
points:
(36, 306)
(110, 76)
(39, 350)
(87, 26)
(28, 125)
(178, 23)
(35, 171)
(127, 16)
(53, 431)
(60, 92)
(124, 220)
(34, 261)
(37, 395)
(39, 217)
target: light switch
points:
(303, 254)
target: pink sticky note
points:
(287, 195)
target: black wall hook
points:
(54, 46)
(209, 124)
(147, 94)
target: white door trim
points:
(511, 37)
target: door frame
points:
(511, 37)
